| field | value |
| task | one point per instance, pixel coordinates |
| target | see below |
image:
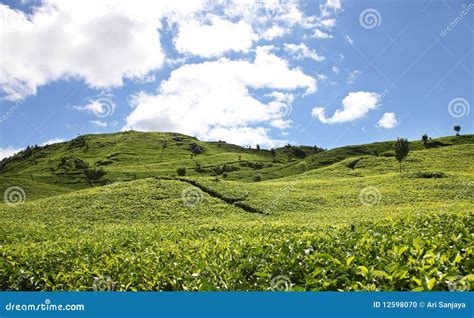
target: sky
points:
(327, 73)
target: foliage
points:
(457, 129)
(181, 171)
(425, 138)
(401, 150)
(195, 148)
(94, 174)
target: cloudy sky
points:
(326, 73)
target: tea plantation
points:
(110, 212)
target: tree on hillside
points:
(163, 146)
(457, 129)
(258, 147)
(273, 152)
(401, 150)
(424, 138)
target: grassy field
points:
(339, 219)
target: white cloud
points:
(215, 38)
(330, 7)
(211, 97)
(321, 77)
(106, 42)
(245, 136)
(100, 43)
(353, 76)
(99, 123)
(321, 35)
(52, 141)
(301, 51)
(273, 32)
(328, 23)
(388, 120)
(336, 70)
(281, 123)
(354, 106)
(8, 152)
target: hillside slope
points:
(344, 226)
(125, 156)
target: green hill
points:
(339, 219)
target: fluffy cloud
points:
(105, 42)
(388, 120)
(330, 7)
(101, 44)
(8, 152)
(318, 34)
(354, 106)
(215, 38)
(244, 136)
(301, 51)
(210, 98)
(52, 141)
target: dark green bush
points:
(427, 174)
(181, 171)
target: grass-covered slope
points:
(134, 155)
(352, 223)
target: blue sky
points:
(326, 73)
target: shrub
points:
(225, 175)
(93, 174)
(195, 148)
(427, 174)
(302, 166)
(199, 167)
(257, 178)
(352, 164)
(181, 171)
